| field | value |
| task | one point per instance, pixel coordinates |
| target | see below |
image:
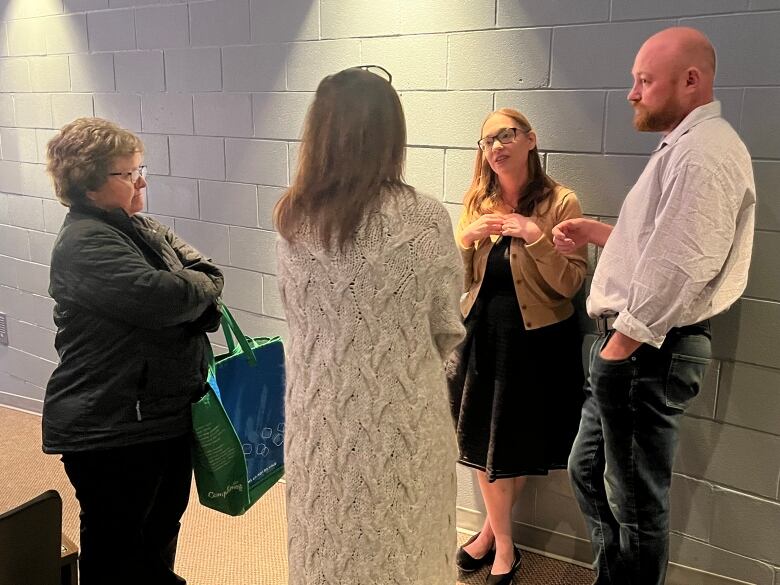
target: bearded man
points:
(678, 255)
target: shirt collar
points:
(117, 217)
(695, 117)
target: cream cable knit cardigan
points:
(370, 445)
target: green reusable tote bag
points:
(238, 425)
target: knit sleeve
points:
(446, 276)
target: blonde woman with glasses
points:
(516, 380)
(369, 279)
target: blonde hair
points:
(485, 190)
(351, 154)
(80, 155)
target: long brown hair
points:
(352, 152)
(485, 189)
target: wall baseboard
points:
(571, 549)
(682, 575)
(546, 542)
(22, 403)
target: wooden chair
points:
(69, 556)
(31, 541)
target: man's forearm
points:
(599, 233)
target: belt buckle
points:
(605, 323)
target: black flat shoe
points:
(468, 564)
(506, 578)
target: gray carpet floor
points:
(214, 549)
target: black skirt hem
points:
(494, 475)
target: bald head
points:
(681, 48)
(674, 72)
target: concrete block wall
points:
(218, 90)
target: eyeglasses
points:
(504, 136)
(377, 70)
(134, 175)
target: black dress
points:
(515, 394)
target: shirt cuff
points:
(628, 325)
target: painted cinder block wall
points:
(218, 90)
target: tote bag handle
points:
(230, 325)
(230, 328)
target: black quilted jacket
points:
(133, 303)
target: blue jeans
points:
(621, 461)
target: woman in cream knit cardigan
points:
(368, 281)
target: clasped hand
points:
(500, 224)
(519, 226)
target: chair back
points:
(30, 537)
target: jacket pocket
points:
(168, 388)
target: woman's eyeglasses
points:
(504, 136)
(377, 70)
(134, 175)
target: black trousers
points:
(132, 499)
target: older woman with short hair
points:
(132, 305)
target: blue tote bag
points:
(238, 425)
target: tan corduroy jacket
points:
(545, 279)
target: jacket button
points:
(514, 256)
(527, 323)
(523, 307)
(517, 281)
